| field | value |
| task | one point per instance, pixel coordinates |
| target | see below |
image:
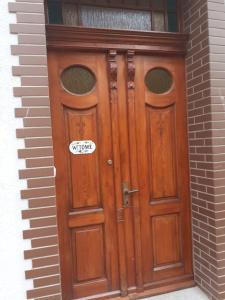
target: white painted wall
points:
(13, 285)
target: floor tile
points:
(187, 294)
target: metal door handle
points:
(126, 193)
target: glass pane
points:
(158, 81)
(171, 5)
(70, 14)
(115, 18)
(78, 80)
(158, 4)
(172, 22)
(54, 13)
(158, 21)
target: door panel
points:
(84, 169)
(85, 188)
(162, 155)
(163, 172)
(166, 236)
(89, 252)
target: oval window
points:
(158, 80)
(78, 80)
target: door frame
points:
(81, 38)
(129, 43)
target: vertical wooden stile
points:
(113, 86)
(133, 163)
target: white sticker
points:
(82, 147)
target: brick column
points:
(37, 153)
(205, 22)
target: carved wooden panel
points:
(166, 240)
(82, 125)
(162, 151)
(84, 182)
(89, 253)
(107, 250)
(163, 173)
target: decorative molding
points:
(130, 69)
(68, 37)
(112, 69)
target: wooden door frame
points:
(112, 42)
(86, 39)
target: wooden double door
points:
(120, 147)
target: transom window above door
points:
(140, 15)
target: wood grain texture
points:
(162, 155)
(85, 191)
(163, 173)
(114, 87)
(166, 240)
(82, 125)
(88, 245)
(106, 249)
(63, 37)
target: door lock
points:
(126, 194)
(110, 162)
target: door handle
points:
(126, 193)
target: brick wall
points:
(217, 75)
(205, 21)
(38, 154)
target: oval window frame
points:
(79, 66)
(168, 72)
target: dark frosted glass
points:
(172, 22)
(54, 13)
(78, 80)
(70, 14)
(139, 15)
(158, 81)
(158, 21)
(171, 5)
(115, 18)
